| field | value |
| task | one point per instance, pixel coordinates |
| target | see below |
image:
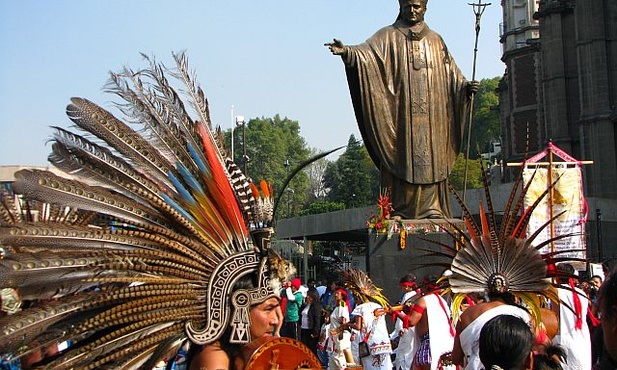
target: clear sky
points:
(263, 57)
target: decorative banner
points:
(567, 197)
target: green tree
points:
(474, 173)
(486, 126)
(275, 148)
(353, 179)
(318, 207)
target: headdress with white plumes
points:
(363, 288)
(141, 248)
(493, 259)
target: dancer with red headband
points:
(341, 338)
(434, 333)
(403, 337)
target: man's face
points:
(597, 282)
(264, 318)
(412, 11)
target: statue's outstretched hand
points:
(336, 47)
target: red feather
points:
(220, 189)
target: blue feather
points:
(178, 208)
(184, 193)
(203, 167)
(189, 179)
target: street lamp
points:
(290, 191)
(287, 164)
(245, 159)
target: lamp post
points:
(290, 191)
(245, 159)
(287, 164)
(599, 234)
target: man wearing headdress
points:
(430, 316)
(410, 100)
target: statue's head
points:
(412, 11)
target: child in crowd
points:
(324, 345)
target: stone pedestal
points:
(387, 262)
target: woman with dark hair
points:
(506, 343)
(341, 338)
(310, 320)
(552, 357)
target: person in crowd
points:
(310, 320)
(322, 287)
(341, 338)
(607, 303)
(374, 348)
(311, 284)
(324, 345)
(221, 354)
(291, 327)
(465, 351)
(505, 343)
(596, 280)
(573, 334)
(402, 337)
(551, 357)
(334, 286)
(327, 298)
(430, 315)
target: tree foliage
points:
(486, 126)
(353, 179)
(275, 148)
(474, 173)
(318, 207)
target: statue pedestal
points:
(387, 262)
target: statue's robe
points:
(410, 100)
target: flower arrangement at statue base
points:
(383, 222)
(379, 222)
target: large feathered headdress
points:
(363, 288)
(142, 246)
(492, 258)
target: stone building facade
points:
(560, 84)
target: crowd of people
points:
(495, 331)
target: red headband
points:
(409, 284)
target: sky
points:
(252, 58)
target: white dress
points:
(337, 357)
(378, 337)
(406, 342)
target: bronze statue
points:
(410, 101)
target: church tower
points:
(520, 89)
